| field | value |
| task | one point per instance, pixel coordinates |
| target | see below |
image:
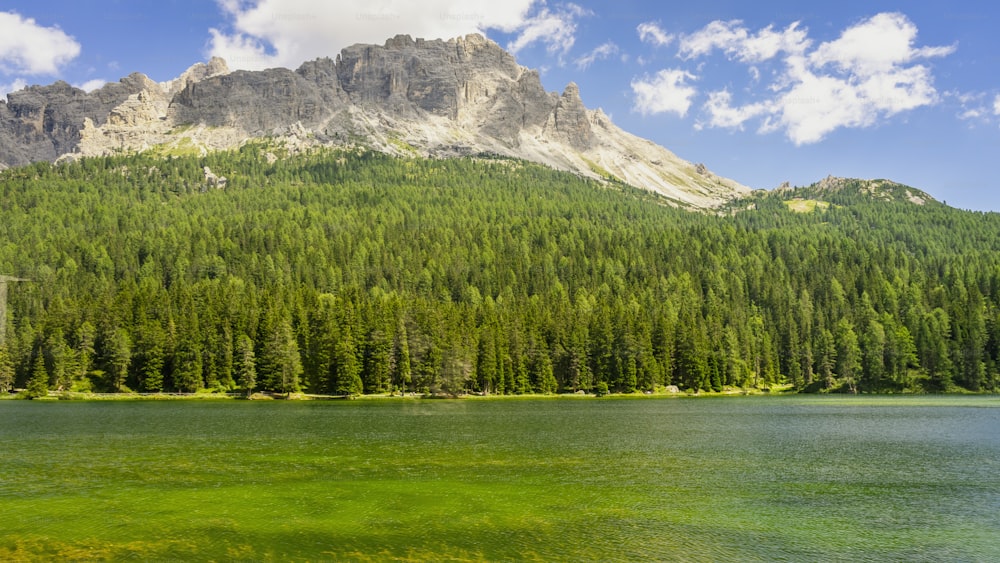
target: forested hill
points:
(354, 272)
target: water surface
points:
(782, 478)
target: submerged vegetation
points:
(353, 272)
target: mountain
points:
(461, 97)
(849, 190)
(840, 192)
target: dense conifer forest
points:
(353, 272)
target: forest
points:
(346, 272)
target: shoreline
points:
(267, 396)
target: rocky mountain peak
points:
(438, 98)
(872, 189)
(216, 66)
(571, 119)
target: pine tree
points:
(378, 361)
(85, 335)
(6, 370)
(151, 356)
(59, 360)
(284, 363)
(245, 365)
(486, 361)
(347, 368)
(546, 381)
(402, 375)
(188, 366)
(279, 364)
(826, 357)
(38, 385)
(848, 354)
(119, 357)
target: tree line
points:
(348, 272)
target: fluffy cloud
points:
(738, 42)
(556, 29)
(875, 46)
(650, 32)
(872, 71)
(18, 84)
(269, 33)
(816, 105)
(29, 48)
(665, 92)
(601, 52)
(974, 106)
(91, 85)
(722, 113)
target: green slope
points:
(346, 272)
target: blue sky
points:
(762, 92)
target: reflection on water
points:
(816, 478)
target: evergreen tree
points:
(188, 366)
(402, 375)
(848, 354)
(826, 357)
(873, 348)
(6, 370)
(59, 361)
(281, 357)
(545, 379)
(119, 351)
(150, 352)
(378, 360)
(38, 385)
(486, 361)
(85, 336)
(246, 365)
(347, 367)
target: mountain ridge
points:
(431, 98)
(833, 188)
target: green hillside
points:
(353, 272)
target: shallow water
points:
(758, 478)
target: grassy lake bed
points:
(756, 478)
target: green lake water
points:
(759, 478)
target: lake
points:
(742, 478)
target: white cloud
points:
(600, 52)
(738, 42)
(270, 33)
(665, 92)
(716, 35)
(650, 32)
(977, 107)
(29, 48)
(18, 84)
(722, 113)
(768, 43)
(557, 30)
(971, 114)
(91, 85)
(818, 105)
(877, 45)
(869, 73)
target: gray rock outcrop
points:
(435, 98)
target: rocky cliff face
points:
(436, 98)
